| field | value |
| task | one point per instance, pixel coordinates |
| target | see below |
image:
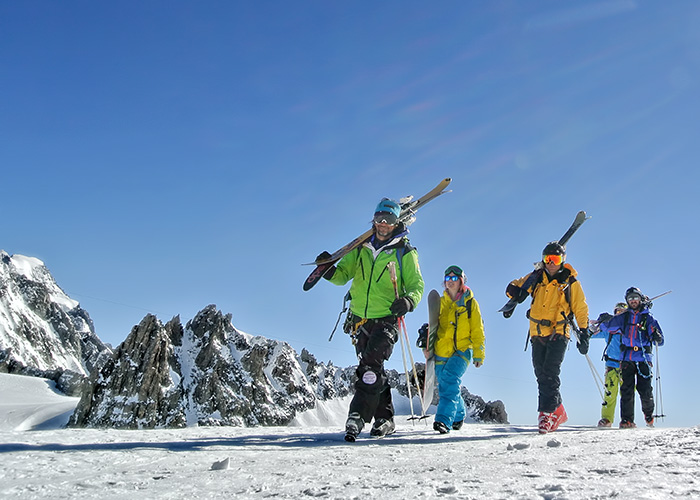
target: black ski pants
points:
(547, 357)
(374, 345)
(636, 375)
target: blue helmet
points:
(389, 206)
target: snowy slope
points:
(480, 461)
(29, 402)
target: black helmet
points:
(554, 248)
(633, 290)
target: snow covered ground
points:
(312, 460)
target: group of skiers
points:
(377, 303)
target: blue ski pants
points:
(449, 372)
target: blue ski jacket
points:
(612, 352)
(635, 329)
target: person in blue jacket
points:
(638, 331)
(613, 357)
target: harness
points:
(546, 322)
(353, 323)
(646, 350)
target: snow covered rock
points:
(207, 373)
(43, 332)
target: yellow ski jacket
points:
(458, 330)
(549, 299)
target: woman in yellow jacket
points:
(459, 340)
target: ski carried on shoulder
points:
(408, 210)
(433, 319)
(510, 306)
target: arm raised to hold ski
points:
(408, 210)
(509, 307)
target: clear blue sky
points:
(162, 156)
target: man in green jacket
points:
(375, 311)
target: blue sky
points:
(163, 156)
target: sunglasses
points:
(385, 218)
(553, 259)
(451, 278)
(633, 297)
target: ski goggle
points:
(451, 278)
(553, 259)
(633, 297)
(385, 218)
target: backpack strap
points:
(400, 252)
(467, 304)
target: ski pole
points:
(660, 402)
(596, 377)
(408, 382)
(402, 326)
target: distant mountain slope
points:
(43, 332)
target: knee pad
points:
(370, 380)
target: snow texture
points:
(311, 460)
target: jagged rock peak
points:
(42, 330)
(207, 373)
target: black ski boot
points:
(440, 427)
(382, 427)
(457, 425)
(353, 426)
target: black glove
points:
(323, 256)
(604, 317)
(656, 336)
(401, 306)
(516, 293)
(583, 341)
(422, 341)
(331, 269)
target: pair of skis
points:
(408, 211)
(534, 276)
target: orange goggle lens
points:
(553, 259)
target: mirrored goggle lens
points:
(385, 218)
(553, 259)
(633, 297)
(451, 278)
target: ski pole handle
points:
(392, 272)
